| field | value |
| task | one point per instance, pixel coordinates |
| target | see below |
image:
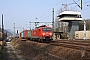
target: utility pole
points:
(84, 22)
(80, 6)
(14, 30)
(53, 19)
(30, 25)
(84, 29)
(2, 40)
(2, 29)
(36, 23)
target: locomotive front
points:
(46, 34)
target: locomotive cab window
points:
(46, 29)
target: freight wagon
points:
(22, 35)
(41, 33)
(27, 34)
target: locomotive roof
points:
(42, 26)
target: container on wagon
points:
(22, 34)
(29, 34)
(25, 34)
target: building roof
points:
(70, 16)
(71, 12)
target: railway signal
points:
(16, 34)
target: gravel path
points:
(10, 54)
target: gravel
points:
(31, 50)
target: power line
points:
(45, 17)
(57, 3)
(48, 11)
(87, 5)
(86, 8)
(37, 23)
(76, 3)
(86, 2)
(46, 14)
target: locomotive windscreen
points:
(46, 29)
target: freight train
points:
(41, 33)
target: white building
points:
(71, 18)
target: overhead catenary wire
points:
(86, 8)
(48, 11)
(86, 2)
(43, 16)
(76, 3)
(51, 14)
(87, 5)
(69, 4)
(48, 14)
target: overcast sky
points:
(21, 12)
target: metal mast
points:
(2, 29)
(84, 29)
(14, 30)
(53, 19)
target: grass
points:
(2, 53)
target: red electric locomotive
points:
(42, 33)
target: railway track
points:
(72, 44)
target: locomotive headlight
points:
(43, 34)
(50, 33)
